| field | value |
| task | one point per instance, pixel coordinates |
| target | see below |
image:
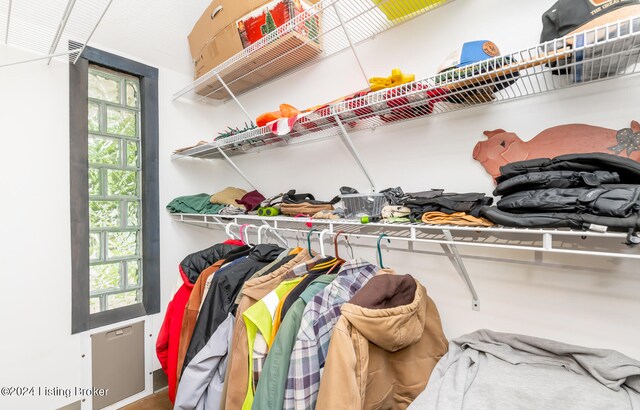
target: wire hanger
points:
(379, 250)
(309, 240)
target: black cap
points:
(566, 16)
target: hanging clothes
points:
(168, 341)
(273, 380)
(383, 348)
(253, 291)
(487, 370)
(225, 286)
(258, 320)
(312, 342)
(191, 311)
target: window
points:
(114, 189)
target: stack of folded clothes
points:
(229, 201)
(580, 191)
(437, 206)
(304, 204)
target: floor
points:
(158, 401)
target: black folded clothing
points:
(555, 179)
(438, 201)
(627, 169)
(619, 201)
(292, 198)
(630, 224)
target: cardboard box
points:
(215, 37)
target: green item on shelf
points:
(193, 204)
(230, 132)
(268, 211)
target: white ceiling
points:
(153, 32)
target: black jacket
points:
(606, 200)
(555, 179)
(192, 265)
(225, 287)
(628, 169)
(559, 220)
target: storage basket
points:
(357, 205)
(395, 9)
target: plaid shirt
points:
(312, 343)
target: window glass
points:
(114, 190)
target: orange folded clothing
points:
(456, 218)
(304, 208)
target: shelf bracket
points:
(451, 250)
(226, 87)
(6, 30)
(351, 45)
(238, 170)
(352, 149)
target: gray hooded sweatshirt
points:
(501, 371)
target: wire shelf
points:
(52, 28)
(342, 23)
(567, 241)
(599, 54)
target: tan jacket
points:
(236, 379)
(383, 348)
(191, 310)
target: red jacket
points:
(168, 341)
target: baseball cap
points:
(471, 52)
(463, 64)
(567, 17)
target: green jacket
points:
(269, 394)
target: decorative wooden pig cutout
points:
(504, 147)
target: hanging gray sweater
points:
(501, 371)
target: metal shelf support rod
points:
(84, 45)
(226, 87)
(458, 264)
(352, 149)
(351, 45)
(238, 170)
(61, 27)
(64, 53)
(275, 233)
(6, 30)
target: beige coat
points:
(383, 348)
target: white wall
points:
(37, 348)
(587, 301)
(581, 300)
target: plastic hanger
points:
(379, 250)
(243, 228)
(340, 261)
(309, 240)
(230, 234)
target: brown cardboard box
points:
(215, 38)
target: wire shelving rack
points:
(51, 29)
(342, 25)
(603, 53)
